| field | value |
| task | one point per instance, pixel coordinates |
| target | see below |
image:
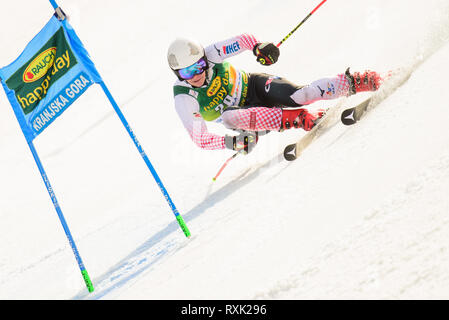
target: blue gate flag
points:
(48, 76)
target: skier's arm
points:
(187, 108)
(219, 51)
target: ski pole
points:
(300, 24)
(224, 166)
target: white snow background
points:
(362, 214)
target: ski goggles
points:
(189, 72)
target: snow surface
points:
(363, 214)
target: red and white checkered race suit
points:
(269, 99)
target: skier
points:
(210, 89)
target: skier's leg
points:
(322, 89)
(342, 85)
(267, 90)
(272, 119)
(252, 118)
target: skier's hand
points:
(243, 143)
(267, 53)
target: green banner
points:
(32, 81)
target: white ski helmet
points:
(183, 53)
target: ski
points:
(349, 116)
(292, 151)
(352, 115)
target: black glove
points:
(243, 143)
(267, 53)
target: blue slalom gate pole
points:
(178, 217)
(84, 273)
(54, 4)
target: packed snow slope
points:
(362, 214)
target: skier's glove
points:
(267, 53)
(243, 143)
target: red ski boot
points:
(360, 82)
(300, 118)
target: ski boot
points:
(361, 82)
(300, 118)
